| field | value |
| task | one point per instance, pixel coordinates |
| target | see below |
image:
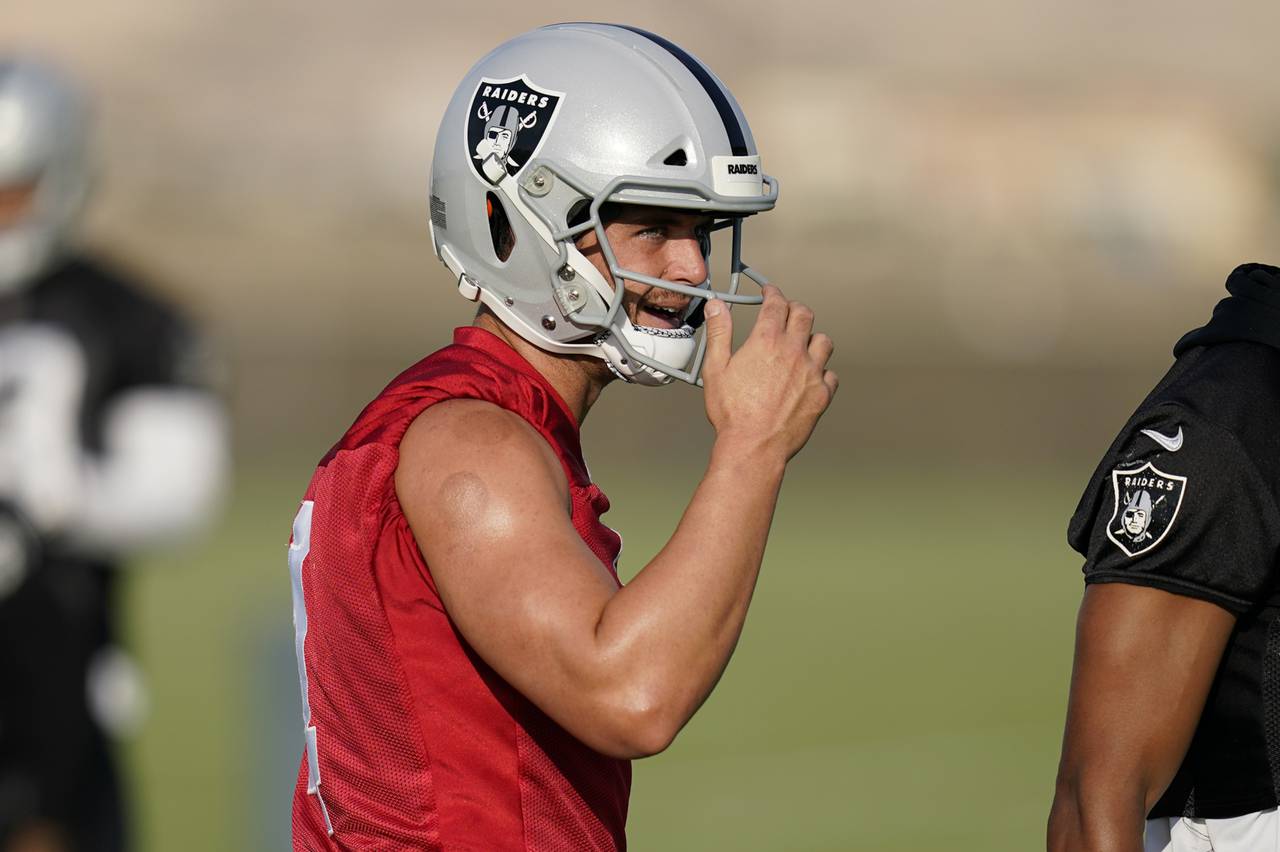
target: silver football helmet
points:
(44, 130)
(553, 125)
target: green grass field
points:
(900, 684)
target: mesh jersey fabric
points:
(1208, 437)
(419, 744)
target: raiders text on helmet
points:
(532, 132)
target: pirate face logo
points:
(1137, 516)
(1146, 503)
(500, 129)
(506, 125)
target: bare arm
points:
(1145, 660)
(621, 669)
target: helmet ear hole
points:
(500, 233)
(578, 213)
(678, 157)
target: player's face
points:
(16, 203)
(658, 242)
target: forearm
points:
(673, 628)
(1145, 660)
(1094, 819)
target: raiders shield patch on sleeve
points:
(1147, 501)
(507, 122)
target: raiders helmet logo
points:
(1146, 503)
(506, 125)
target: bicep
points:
(488, 505)
(1145, 660)
(514, 574)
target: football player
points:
(109, 441)
(1173, 723)
(474, 675)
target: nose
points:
(685, 262)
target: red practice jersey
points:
(412, 742)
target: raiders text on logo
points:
(503, 94)
(744, 169)
(506, 124)
(1147, 501)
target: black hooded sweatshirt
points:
(1187, 499)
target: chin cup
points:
(665, 345)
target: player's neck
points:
(578, 379)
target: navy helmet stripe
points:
(737, 139)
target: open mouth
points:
(661, 316)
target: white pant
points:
(1255, 832)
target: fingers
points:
(799, 320)
(773, 313)
(820, 349)
(831, 380)
(719, 337)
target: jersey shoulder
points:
(460, 447)
(134, 336)
(1236, 387)
(1186, 497)
(85, 283)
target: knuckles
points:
(799, 310)
(773, 299)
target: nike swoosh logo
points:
(1172, 444)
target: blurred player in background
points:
(474, 676)
(1174, 715)
(110, 440)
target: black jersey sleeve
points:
(131, 338)
(1177, 504)
(155, 343)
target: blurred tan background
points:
(1004, 213)
(1041, 188)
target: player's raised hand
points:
(771, 392)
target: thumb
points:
(719, 336)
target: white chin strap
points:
(25, 252)
(675, 346)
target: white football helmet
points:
(44, 135)
(553, 125)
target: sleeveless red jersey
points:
(412, 742)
